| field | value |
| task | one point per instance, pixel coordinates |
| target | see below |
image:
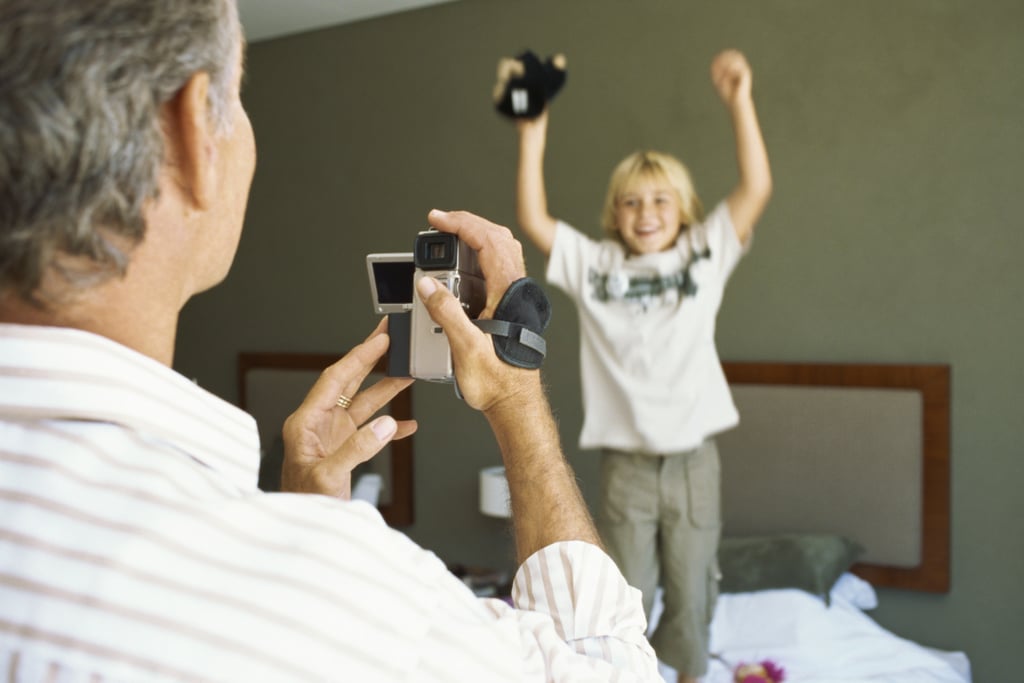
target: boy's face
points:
(649, 216)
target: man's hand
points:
(547, 506)
(484, 379)
(324, 442)
(499, 254)
(731, 76)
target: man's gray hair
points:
(81, 87)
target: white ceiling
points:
(265, 19)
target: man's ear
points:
(190, 139)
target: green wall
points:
(894, 130)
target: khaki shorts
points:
(660, 519)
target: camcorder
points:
(419, 347)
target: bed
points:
(836, 482)
(814, 641)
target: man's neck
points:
(112, 313)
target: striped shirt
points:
(135, 546)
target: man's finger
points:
(440, 303)
(470, 228)
(462, 335)
(446, 311)
(335, 473)
(405, 428)
(346, 374)
(366, 442)
(500, 254)
(373, 398)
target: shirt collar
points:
(64, 373)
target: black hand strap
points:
(519, 333)
(521, 316)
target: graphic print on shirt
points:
(618, 285)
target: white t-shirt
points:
(651, 376)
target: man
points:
(134, 543)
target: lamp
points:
(368, 488)
(494, 498)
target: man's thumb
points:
(441, 304)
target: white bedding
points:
(818, 643)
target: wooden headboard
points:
(857, 449)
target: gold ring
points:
(344, 401)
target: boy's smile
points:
(649, 216)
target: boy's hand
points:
(731, 76)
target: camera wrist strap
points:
(521, 316)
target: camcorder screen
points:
(394, 281)
(391, 282)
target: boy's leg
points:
(690, 530)
(627, 518)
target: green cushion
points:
(810, 562)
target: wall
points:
(894, 130)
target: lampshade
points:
(368, 488)
(494, 499)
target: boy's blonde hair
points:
(658, 166)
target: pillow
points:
(810, 562)
(855, 592)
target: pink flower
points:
(774, 671)
(766, 671)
